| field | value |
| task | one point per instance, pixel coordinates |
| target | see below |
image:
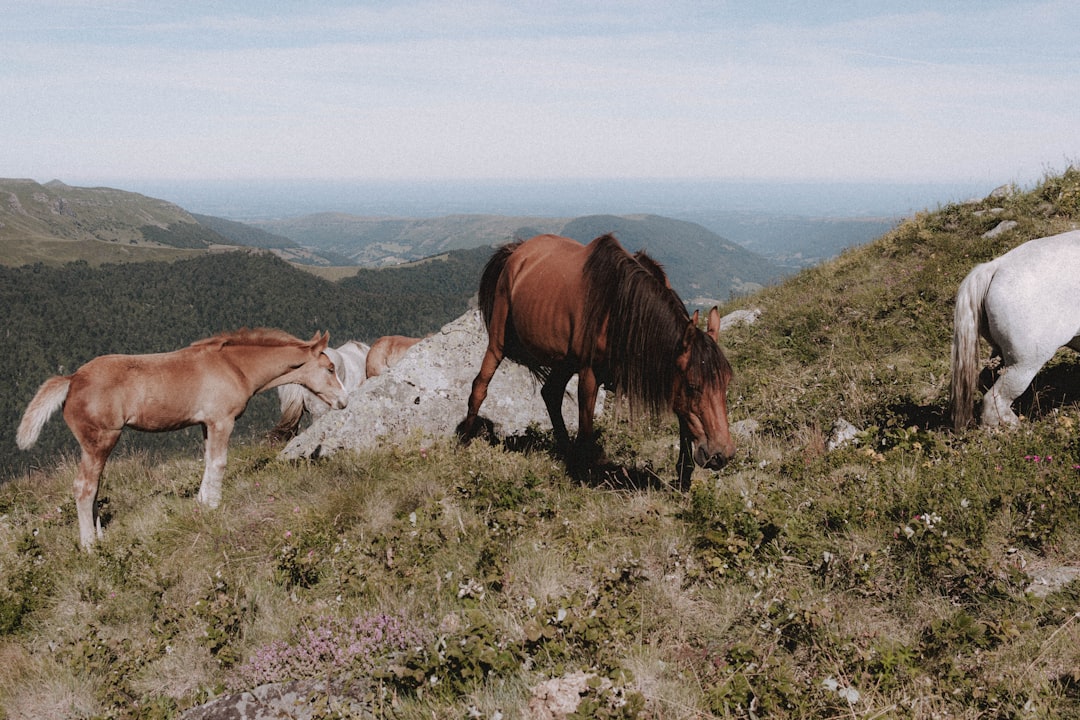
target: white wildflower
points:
(850, 694)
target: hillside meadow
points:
(913, 573)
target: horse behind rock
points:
(386, 352)
(1025, 303)
(561, 308)
(349, 361)
(208, 383)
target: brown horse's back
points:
(543, 288)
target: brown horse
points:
(386, 351)
(208, 383)
(561, 308)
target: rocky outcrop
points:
(425, 395)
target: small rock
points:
(558, 698)
(739, 317)
(745, 428)
(293, 700)
(1046, 578)
(842, 433)
(1002, 227)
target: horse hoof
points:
(480, 428)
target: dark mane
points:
(263, 337)
(646, 321)
(649, 263)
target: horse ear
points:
(320, 341)
(713, 329)
(691, 328)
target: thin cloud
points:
(439, 89)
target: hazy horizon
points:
(685, 199)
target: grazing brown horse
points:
(208, 383)
(561, 308)
(386, 351)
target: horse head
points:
(700, 396)
(319, 373)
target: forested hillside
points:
(57, 318)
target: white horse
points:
(349, 363)
(1026, 303)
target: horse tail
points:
(968, 318)
(489, 280)
(292, 409)
(50, 397)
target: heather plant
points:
(330, 647)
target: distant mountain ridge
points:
(56, 223)
(699, 262)
(382, 241)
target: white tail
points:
(292, 409)
(967, 320)
(50, 398)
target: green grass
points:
(889, 578)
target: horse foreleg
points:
(588, 389)
(586, 450)
(214, 458)
(95, 451)
(685, 464)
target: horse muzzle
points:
(338, 402)
(713, 461)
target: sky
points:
(982, 91)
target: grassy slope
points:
(886, 579)
(55, 223)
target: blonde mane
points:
(264, 337)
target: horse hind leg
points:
(1011, 383)
(473, 425)
(95, 452)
